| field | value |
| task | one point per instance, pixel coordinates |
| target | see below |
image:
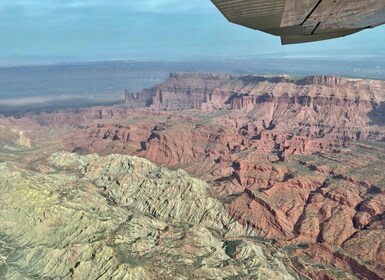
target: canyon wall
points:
(307, 115)
(207, 91)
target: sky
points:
(149, 29)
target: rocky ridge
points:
(122, 217)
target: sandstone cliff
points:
(306, 115)
(207, 91)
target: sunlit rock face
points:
(212, 91)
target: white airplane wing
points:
(299, 21)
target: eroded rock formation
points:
(297, 162)
(203, 91)
(301, 116)
(121, 217)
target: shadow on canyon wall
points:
(377, 115)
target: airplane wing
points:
(300, 21)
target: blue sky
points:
(149, 29)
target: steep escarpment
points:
(208, 91)
(306, 115)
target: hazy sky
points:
(113, 29)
